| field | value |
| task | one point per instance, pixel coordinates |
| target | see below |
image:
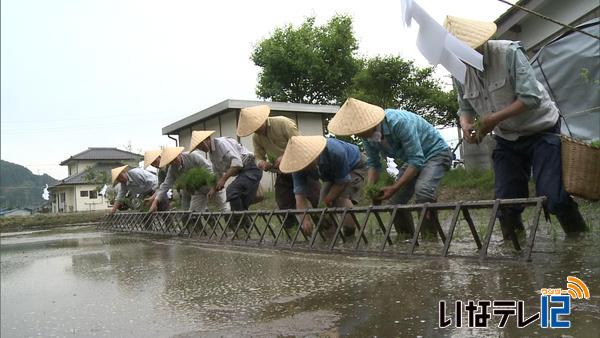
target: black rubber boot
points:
(511, 224)
(431, 226)
(571, 220)
(404, 224)
(428, 228)
(348, 231)
(237, 205)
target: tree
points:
(392, 82)
(98, 177)
(308, 64)
(318, 64)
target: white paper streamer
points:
(437, 45)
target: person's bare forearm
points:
(335, 191)
(116, 207)
(232, 171)
(466, 120)
(409, 174)
(372, 175)
(303, 203)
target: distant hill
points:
(20, 188)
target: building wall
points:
(67, 204)
(74, 202)
(229, 123)
(80, 166)
(184, 138)
(534, 31)
(310, 124)
(87, 203)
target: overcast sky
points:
(103, 73)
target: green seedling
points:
(476, 131)
(373, 190)
(271, 159)
(194, 179)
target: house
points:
(311, 119)
(75, 193)
(535, 32)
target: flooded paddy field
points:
(82, 282)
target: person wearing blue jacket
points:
(404, 136)
(340, 166)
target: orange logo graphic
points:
(576, 288)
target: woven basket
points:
(580, 168)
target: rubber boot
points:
(511, 224)
(237, 205)
(571, 220)
(348, 231)
(431, 226)
(404, 224)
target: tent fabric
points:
(569, 68)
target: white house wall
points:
(83, 165)
(87, 203)
(69, 200)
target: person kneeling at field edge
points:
(340, 166)
(134, 182)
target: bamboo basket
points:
(580, 168)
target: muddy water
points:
(80, 282)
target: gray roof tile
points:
(103, 154)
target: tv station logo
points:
(555, 306)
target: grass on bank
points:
(17, 223)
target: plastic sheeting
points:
(569, 68)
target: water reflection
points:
(110, 284)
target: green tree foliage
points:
(308, 64)
(97, 176)
(318, 64)
(392, 82)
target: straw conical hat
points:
(355, 117)
(115, 172)
(198, 136)
(472, 32)
(252, 118)
(300, 152)
(168, 155)
(150, 156)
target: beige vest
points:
(494, 92)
